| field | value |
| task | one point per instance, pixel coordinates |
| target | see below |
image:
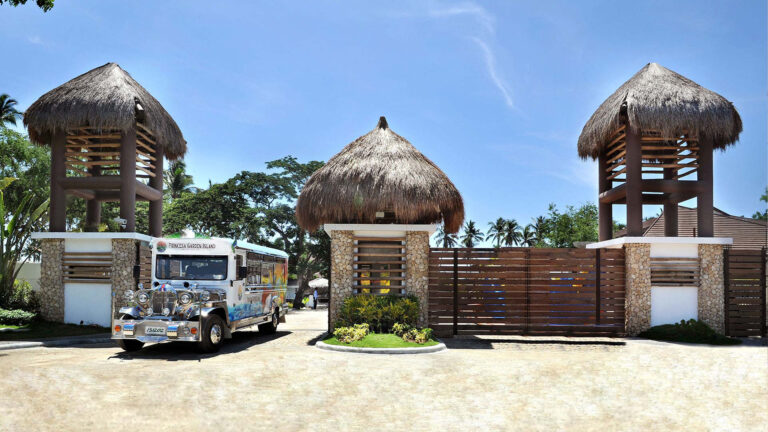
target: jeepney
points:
(201, 291)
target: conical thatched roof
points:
(659, 99)
(102, 98)
(379, 172)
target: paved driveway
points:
(281, 382)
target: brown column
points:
(634, 184)
(93, 206)
(705, 205)
(128, 179)
(156, 207)
(58, 210)
(605, 210)
(670, 209)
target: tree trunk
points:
(300, 289)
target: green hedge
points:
(691, 331)
(379, 312)
(16, 317)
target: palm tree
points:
(447, 240)
(511, 233)
(539, 229)
(471, 235)
(8, 111)
(496, 231)
(528, 236)
(177, 181)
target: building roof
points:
(106, 97)
(658, 99)
(747, 233)
(380, 173)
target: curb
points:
(420, 350)
(57, 342)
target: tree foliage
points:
(472, 235)
(762, 215)
(8, 112)
(45, 5)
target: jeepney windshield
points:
(191, 267)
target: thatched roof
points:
(660, 99)
(102, 98)
(379, 172)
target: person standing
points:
(314, 297)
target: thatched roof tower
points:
(380, 178)
(103, 98)
(656, 98)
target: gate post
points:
(527, 290)
(726, 290)
(597, 286)
(763, 293)
(455, 292)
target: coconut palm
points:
(177, 181)
(496, 231)
(8, 111)
(471, 235)
(539, 227)
(528, 236)
(511, 233)
(445, 239)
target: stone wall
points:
(123, 260)
(417, 270)
(51, 291)
(342, 246)
(638, 285)
(711, 291)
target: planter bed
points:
(385, 343)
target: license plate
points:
(154, 331)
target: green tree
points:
(575, 224)
(177, 181)
(45, 5)
(471, 235)
(512, 233)
(528, 236)
(8, 112)
(445, 239)
(539, 227)
(762, 215)
(18, 223)
(496, 231)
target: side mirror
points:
(242, 272)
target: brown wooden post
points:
(726, 287)
(128, 179)
(634, 184)
(455, 292)
(597, 286)
(670, 208)
(527, 257)
(705, 206)
(58, 209)
(605, 210)
(156, 207)
(763, 327)
(93, 205)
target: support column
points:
(670, 209)
(128, 179)
(417, 271)
(605, 210)
(93, 206)
(342, 244)
(51, 291)
(637, 303)
(58, 203)
(705, 205)
(156, 207)
(123, 259)
(634, 184)
(711, 292)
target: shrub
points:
(350, 334)
(16, 317)
(379, 312)
(419, 336)
(690, 331)
(23, 297)
(400, 329)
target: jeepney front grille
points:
(163, 299)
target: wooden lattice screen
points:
(745, 292)
(87, 267)
(379, 265)
(92, 151)
(675, 272)
(680, 153)
(144, 261)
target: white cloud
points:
(478, 12)
(36, 40)
(490, 64)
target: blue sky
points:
(495, 93)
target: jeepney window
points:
(254, 269)
(192, 267)
(267, 271)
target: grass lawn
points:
(690, 331)
(381, 340)
(45, 329)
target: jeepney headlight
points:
(185, 298)
(205, 296)
(140, 286)
(143, 298)
(129, 295)
(166, 311)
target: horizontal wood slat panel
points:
(745, 292)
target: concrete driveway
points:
(282, 382)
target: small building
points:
(379, 199)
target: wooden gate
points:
(526, 291)
(745, 292)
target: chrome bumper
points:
(187, 331)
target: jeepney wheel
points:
(271, 326)
(130, 344)
(213, 334)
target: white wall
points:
(30, 272)
(669, 305)
(88, 302)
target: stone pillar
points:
(637, 303)
(342, 244)
(51, 291)
(417, 271)
(123, 260)
(711, 292)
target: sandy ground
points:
(282, 382)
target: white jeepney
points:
(202, 290)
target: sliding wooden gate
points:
(526, 291)
(745, 292)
